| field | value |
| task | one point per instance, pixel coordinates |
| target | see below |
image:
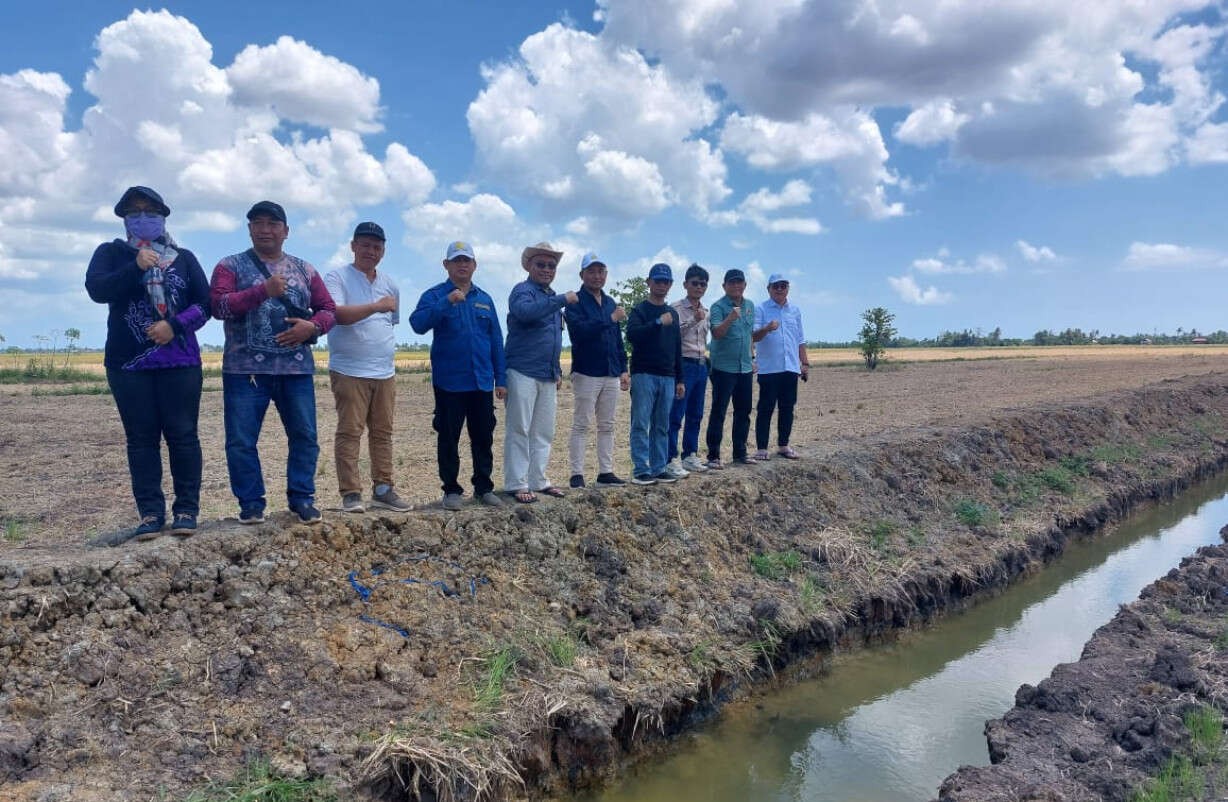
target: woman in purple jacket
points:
(158, 298)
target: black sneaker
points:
(149, 528)
(577, 480)
(643, 479)
(251, 515)
(665, 478)
(307, 513)
(609, 480)
(184, 525)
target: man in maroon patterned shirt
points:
(273, 306)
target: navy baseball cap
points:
(660, 272)
(369, 229)
(735, 275)
(267, 207)
(145, 192)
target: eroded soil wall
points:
(627, 615)
(1099, 727)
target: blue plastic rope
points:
(364, 592)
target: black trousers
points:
(726, 386)
(476, 411)
(775, 390)
(157, 404)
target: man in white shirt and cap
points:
(782, 360)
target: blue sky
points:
(967, 165)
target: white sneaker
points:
(694, 464)
(676, 470)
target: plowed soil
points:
(64, 479)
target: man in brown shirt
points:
(693, 320)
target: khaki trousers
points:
(594, 395)
(363, 404)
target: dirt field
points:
(64, 480)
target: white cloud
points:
(848, 141)
(208, 139)
(1167, 256)
(755, 206)
(1043, 85)
(943, 265)
(936, 121)
(1035, 253)
(907, 288)
(1209, 144)
(597, 129)
(304, 85)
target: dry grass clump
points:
(467, 766)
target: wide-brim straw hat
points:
(540, 248)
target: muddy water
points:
(890, 723)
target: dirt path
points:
(1151, 686)
(64, 479)
(537, 649)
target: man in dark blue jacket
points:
(467, 362)
(534, 344)
(598, 370)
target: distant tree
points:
(71, 336)
(629, 294)
(876, 333)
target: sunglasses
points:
(697, 283)
(780, 285)
(542, 265)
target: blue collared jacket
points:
(596, 341)
(535, 331)
(467, 346)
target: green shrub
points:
(776, 564)
(1058, 478)
(973, 513)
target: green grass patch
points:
(496, 668)
(812, 593)
(1058, 478)
(74, 389)
(1177, 781)
(916, 537)
(257, 783)
(880, 533)
(1206, 728)
(974, 513)
(700, 657)
(562, 650)
(1000, 480)
(1158, 442)
(44, 373)
(1077, 465)
(1115, 453)
(776, 564)
(13, 532)
(1221, 643)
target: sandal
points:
(788, 453)
(552, 491)
(524, 496)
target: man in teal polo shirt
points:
(733, 318)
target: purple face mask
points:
(144, 225)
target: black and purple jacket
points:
(114, 279)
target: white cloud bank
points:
(1161, 256)
(910, 292)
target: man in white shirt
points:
(361, 372)
(782, 359)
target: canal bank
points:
(890, 722)
(538, 650)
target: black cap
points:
(146, 192)
(269, 208)
(735, 275)
(370, 230)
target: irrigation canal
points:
(889, 723)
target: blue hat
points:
(735, 275)
(267, 207)
(459, 249)
(776, 278)
(370, 230)
(590, 259)
(145, 192)
(660, 272)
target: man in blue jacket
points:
(534, 344)
(598, 370)
(467, 362)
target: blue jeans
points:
(245, 399)
(651, 398)
(695, 376)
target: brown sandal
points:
(552, 491)
(524, 496)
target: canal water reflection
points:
(888, 724)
